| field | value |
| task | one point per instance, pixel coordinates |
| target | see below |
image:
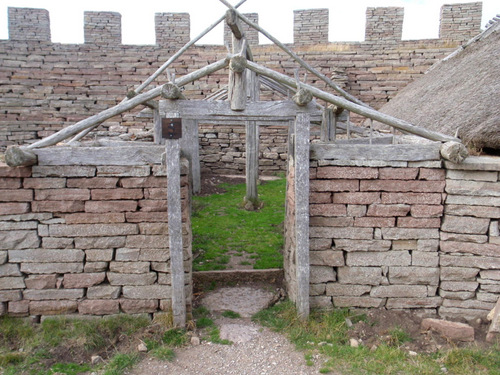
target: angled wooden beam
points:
(353, 107)
(301, 62)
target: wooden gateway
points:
(176, 126)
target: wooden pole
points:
(252, 163)
(356, 108)
(124, 106)
(173, 151)
(302, 63)
(181, 51)
(301, 160)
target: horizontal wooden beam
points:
(409, 152)
(133, 155)
(200, 110)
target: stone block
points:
(398, 186)
(99, 255)
(334, 185)
(469, 304)
(91, 218)
(399, 291)
(413, 303)
(129, 267)
(475, 188)
(458, 273)
(62, 195)
(46, 256)
(388, 210)
(409, 233)
(326, 258)
(389, 258)
(10, 183)
(347, 173)
(17, 195)
(146, 217)
(356, 210)
(360, 275)
(469, 210)
(53, 294)
(318, 221)
(465, 224)
(93, 183)
(403, 244)
(457, 295)
(96, 267)
(459, 286)
(147, 241)
(3, 257)
(428, 245)
(320, 244)
(317, 289)
(57, 243)
(110, 206)
(99, 242)
(153, 228)
(18, 308)
(22, 225)
(490, 274)
(327, 210)
(315, 198)
(147, 292)
(414, 275)
(19, 239)
(92, 230)
(472, 175)
(412, 222)
(321, 274)
(362, 302)
(426, 210)
(116, 194)
(476, 238)
(6, 171)
(362, 245)
(99, 307)
(103, 292)
(11, 283)
(411, 198)
(486, 249)
(63, 171)
(398, 173)
(44, 268)
(346, 233)
(123, 171)
(458, 313)
(9, 270)
(336, 289)
(488, 263)
(424, 259)
(57, 206)
(10, 295)
(132, 278)
(131, 306)
(53, 307)
(356, 198)
(432, 174)
(83, 280)
(41, 281)
(14, 208)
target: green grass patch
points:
(221, 225)
(330, 329)
(121, 362)
(231, 314)
(175, 337)
(163, 353)
(69, 368)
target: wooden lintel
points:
(407, 152)
(234, 24)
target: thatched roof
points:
(460, 95)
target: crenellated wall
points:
(45, 86)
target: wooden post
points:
(173, 151)
(252, 162)
(237, 76)
(301, 159)
(190, 147)
(328, 125)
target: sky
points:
(347, 18)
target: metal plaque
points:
(171, 128)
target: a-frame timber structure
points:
(176, 126)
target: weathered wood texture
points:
(134, 155)
(252, 161)
(321, 151)
(191, 149)
(454, 151)
(17, 157)
(359, 109)
(301, 159)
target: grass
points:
(327, 333)
(221, 227)
(60, 345)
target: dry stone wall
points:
(45, 86)
(87, 239)
(405, 235)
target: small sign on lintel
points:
(171, 128)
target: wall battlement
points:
(458, 22)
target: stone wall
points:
(460, 22)
(405, 235)
(310, 26)
(88, 240)
(46, 86)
